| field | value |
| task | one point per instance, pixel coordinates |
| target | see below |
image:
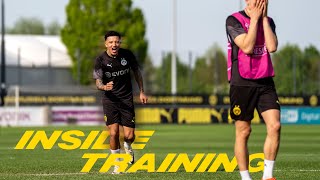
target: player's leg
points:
(243, 101)
(114, 136)
(272, 142)
(272, 120)
(243, 130)
(128, 134)
(114, 143)
(112, 119)
(128, 140)
(128, 122)
(270, 112)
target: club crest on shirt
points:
(236, 110)
(123, 62)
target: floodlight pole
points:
(3, 60)
(174, 49)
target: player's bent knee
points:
(129, 137)
(275, 127)
(244, 133)
(114, 134)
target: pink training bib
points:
(252, 66)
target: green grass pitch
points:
(298, 158)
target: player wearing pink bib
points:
(251, 39)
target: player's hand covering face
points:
(255, 8)
(112, 44)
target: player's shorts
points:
(119, 112)
(244, 99)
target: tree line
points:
(35, 26)
(297, 72)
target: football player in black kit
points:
(112, 75)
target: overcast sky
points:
(200, 23)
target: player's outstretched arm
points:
(138, 77)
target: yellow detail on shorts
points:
(236, 110)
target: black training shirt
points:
(116, 69)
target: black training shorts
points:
(119, 112)
(244, 99)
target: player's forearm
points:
(270, 38)
(138, 77)
(250, 39)
(99, 84)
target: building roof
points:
(35, 50)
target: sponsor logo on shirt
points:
(117, 73)
(259, 50)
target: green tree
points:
(53, 28)
(26, 25)
(210, 72)
(312, 76)
(149, 76)
(87, 22)
(163, 77)
(297, 71)
(289, 69)
(202, 76)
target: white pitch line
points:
(43, 174)
(64, 174)
(300, 170)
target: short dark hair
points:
(111, 33)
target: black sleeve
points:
(273, 26)
(97, 72)
(234, 27)
(134, 65)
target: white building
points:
(36, 60)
